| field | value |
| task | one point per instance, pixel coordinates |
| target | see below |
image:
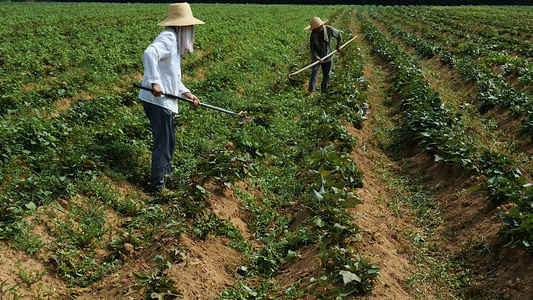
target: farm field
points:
(409, 179)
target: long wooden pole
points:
(318, 61)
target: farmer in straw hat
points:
(320, 45)
(162, 72)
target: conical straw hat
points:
(315, 23)
(180, 14)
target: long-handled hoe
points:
(244, 118)
(317, 62)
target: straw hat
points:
(180, 14)
(315, 23)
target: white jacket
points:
(162, 65)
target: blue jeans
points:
(326, 69)
(164, 139)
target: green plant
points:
(335, 168)
(26, 239)
(30, 277)
(149, 217)
(518, 220)
(330, 216)
(192, 199)
(207, 224)
(156, 284)
(8, 290)
(226, 166)
(245, 291)
(347, 274)
(85, 225)
(80, 268)
(332, 132)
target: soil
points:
(468, 232)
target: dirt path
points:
(384, 241)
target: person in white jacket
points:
(162, 72)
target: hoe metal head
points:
(244, 118)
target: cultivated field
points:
(410, 179)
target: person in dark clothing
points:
(320, 46)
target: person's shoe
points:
(152, 190)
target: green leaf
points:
(339, 228)
(318, 222)
(348, 277)
(159, 296)
(134, 289)
(323, 281)
(351, 202)
(316, 196)
(345, 292)
(31, 206)
(324, 173)
(141, 277)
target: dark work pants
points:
(326, 69)
(164, 139)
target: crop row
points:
(493, 90)
(443, 135)
(508, 53)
